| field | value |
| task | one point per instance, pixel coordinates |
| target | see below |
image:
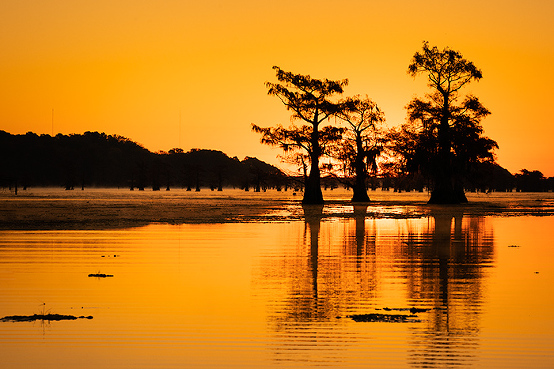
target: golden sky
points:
(191, 74)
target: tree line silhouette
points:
(100, 160)
(441, 147)
(96, 159)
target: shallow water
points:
(279, 294)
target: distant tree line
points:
(96, 159)
(484, 177)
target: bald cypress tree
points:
(446, 124)
(311, 101)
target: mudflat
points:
(118, 208)
(120, 211)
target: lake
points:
(281, 288)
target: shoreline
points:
(49, 209)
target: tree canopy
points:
(443, 135)
(361, 143)
(311, 101)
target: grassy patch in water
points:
(42, 317)
(386, 318)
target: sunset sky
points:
(191, 74)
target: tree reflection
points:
(445, 271)
(312, 217)
(358, 264)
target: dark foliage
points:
(533, 181)
(361, 144)
(443, 138)
(100, 160)
(310, 101)
(489, 177)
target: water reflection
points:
(445, 270)
(362, 265)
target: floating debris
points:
(412, 310)
(100, 275)
(514, 246)
(386, 318)
(43, 317)
(415, 310)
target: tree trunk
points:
(312, 190)
(359, 188)
(219, 181)
(447, 193)
(447, 189)
(197, 180)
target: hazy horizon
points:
(178, 74)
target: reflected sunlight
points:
(283, 292)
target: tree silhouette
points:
(530, 181)
(443, 136)
(296, 142)
(100, 160)
(362, 142)
(310, 101)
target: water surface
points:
(280, 293)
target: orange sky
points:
(137, 68)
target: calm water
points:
(279, 294)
